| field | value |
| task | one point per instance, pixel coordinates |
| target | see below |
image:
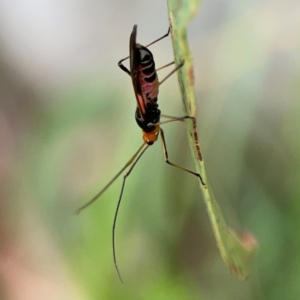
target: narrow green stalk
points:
(236, 250)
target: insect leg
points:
(159, 39)
(126, 70)
(173, 119)
(171, 73)
(176, 166)
(167, 65)
(114, 178)
(123, 67)
(117, 210)
(168, 116)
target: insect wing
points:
(132, 51)
(134, 61)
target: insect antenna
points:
(118, 206)
(113, 179)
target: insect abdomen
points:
(147, 75)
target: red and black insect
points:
(146, 86)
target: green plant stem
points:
(236, 250)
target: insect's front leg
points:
(172, 119)
(166, 157)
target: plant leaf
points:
(237, 250)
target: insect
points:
(146, 87)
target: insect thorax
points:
(152, 115)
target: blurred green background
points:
(67, 126)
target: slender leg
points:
(171, 73)
(167, 65)
(129, 73)
(173, 119)
(117, 211)
(159, 39)
(126, 70)
(176, 166)
(114, 178)
(168, 116)
(123, 67)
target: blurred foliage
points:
(67, 126)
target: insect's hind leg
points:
(122, 67)
(174, 165)
(159, 39)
